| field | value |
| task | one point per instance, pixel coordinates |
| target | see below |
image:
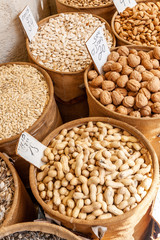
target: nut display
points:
(60, 43)
(140, 25)
(94, 171)
(86, 3)
(6, 190)
(131, 82)
(23, 97)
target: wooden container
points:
(67, 85)
(49, 120)
(22, 208)
(44, 227)
(134, 222)
(105, 12)
(150, 127)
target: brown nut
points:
(122, 80)
(147, 64)
(123, 51)
(133, 51)
(116, 67)
(107, 66)
(155, 72)
(143, 55)
(145, 111)
(129, 110)
(92, 74)
(113, 76)
(122, 91)
(113, 56)
(116, 98)
(155, 97)
(133, 85)
(156, 52)
(96, 92)
(146, 93)
(128, 101)
(108, 85)
(147, 76)
(153, 85)
(144, 84)
(96, 82)
(141, 100)
(123, 60)
(122, 110)
(155, 63)
(105, 98)
(133, 60)
(133, 94)
(111, 107)
(136, 75)
(140, 68)
(106, 75)
(150, 103)
(126, 70)
(156, 107)
(156, 115)
(135, 114)
(151, 54)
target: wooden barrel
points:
(67, 85)
(48, 121)
(150, 127)
(22, 208)
(134, 222)
(105, 11)
(43, 227)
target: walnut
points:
(140, 68)
(155, 63)
(153, 85)
(116, 67)
(123, 51)
(128, 101)
(141, 100)
(116, 98)
(126, 70)
(156, 107)
(129, 110)
(133, 60)
(151, 54)
(96, 82)
(123, 60)
(133, 51)
(156, 72)
(122, 110)
(133, 94)
(155, 97)
(156, 52)
(111, 107)
(150, 103)
(113, 56)
(144, 84)
(133, 85)
(105, 98)
(143, 55)
(147, 64)
(106, 75)
(146, 93)
(122, 80)
(147, 76)
(96, 92)
(145, 111)
(135, 114)
(108, 85)
(136, 75)
(122, 91)
(92, 74)
(113, 76)
(156, 115)
(107, 66)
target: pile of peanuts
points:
(131, 83)
(94, 171)
(86, 3)
(140, 25)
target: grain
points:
(86, 3)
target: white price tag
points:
(98, 49)
(30, 149)
(155, 212)
(29, 24)
(121, 5)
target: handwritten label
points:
(155, 213)
(121, 5)
(98, 49)
(30, 149)
(29, 24)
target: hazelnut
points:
(155, 97)
(107, 66)
(133, 51)
(141, 100)
(113, 76)
(155, 63)
(156, 107)
(144, 84)
(156, 52)
(153, 85)
(122, 91)
(123, 60)
(96, 82)
(116, 67)
(123, 51)
(116, 98)
(140, 68)
(96, 92)
(147, 64)
(108, 85)
(128, 101)
(145, 111)
(135, 114)
(126, 70)
(111, 107)
(146, 93)
(113, 56)
(122, 110)
(143, 55)
(147, 76)
(136, 75)
(133, 60)
(122, 80)
(92, 74)
(156, 72)
(133, 94)
(105, 98)
(133, 85)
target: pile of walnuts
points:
(131, 83)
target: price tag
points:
(155, 212)
(121, 5)
(29, 24)
(98, 49)
(30, 149)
